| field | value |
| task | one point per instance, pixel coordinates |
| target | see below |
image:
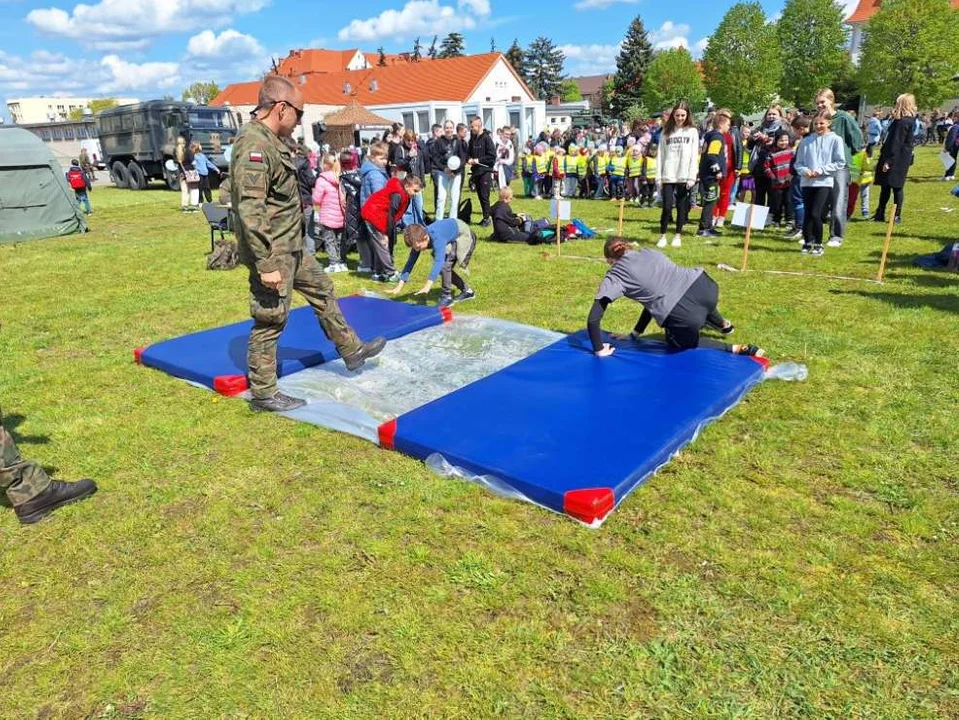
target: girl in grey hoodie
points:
(819, 158)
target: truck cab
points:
(139, 141)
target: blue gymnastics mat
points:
(573, 432)
(216, 358)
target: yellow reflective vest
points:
(617, 166)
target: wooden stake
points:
(749, 230)
(885, 245)
(622, 207)
(558, 236)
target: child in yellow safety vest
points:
(526, 171)
(539, 169)
(559, 171)
(747, 184)
(647, 190)
(861, 176)
(571, 169)
(634, 172)
(617, 174)
(582, 167)
(600, 161)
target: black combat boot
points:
(367, 350)
(277, 403)
(56, 495)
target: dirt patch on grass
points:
(363, 667)
(634, 619)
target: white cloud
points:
(110, 24)
(418, 17)
(228, 44)
(601, 4)
(675, 35)
(45, 72)
(123, 75)
(590, 59)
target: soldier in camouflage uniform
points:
(266, 201)
(29, 489)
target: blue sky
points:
(145, 48)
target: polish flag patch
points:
(256, 157)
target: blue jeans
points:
(84, 200)
(798, 205)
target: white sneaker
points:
(662, 242)
(677, 241)
(834, 242)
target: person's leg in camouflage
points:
(317, 288)
(269, 309)
(21, 480)
(28, 488)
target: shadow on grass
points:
(12, 422)
(944, 303)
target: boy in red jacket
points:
(382, 212)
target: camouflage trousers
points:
(21, 480)
(271, 308)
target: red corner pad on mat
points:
(764, 361)
(387, 433)
(590, 504)
(447, 314)
(230, 384)
(138, 355)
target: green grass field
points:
(798, 560)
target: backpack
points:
(584, 230)
(77, 179)
(223, 257)
(465, 211)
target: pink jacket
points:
(326, 197)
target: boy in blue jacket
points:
(452, 243)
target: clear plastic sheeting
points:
(788, 371)
(442, 467)
(411, 371)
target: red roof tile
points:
(305, 62)
(452, 79)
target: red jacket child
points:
(384, 209)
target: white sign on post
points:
(742, 212)
(560, 209)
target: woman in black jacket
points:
(896, 156)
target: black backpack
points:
(465, 211)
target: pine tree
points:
(742, 62)
(544, 68)
(909, 46)
(673, 76)
(431, 53)
(492, 44)
(417, 50)
(382, 61)
(631, 64)
(517, 58)
(452, 46)
(813, 42)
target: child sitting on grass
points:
(452, 244)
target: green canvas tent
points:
(35, 199)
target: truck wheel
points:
(138, 179)
(119, 175)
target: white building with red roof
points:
(416, 94)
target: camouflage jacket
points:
(265, 198)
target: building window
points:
(69, 133)
(57, 134)
(45, 134)
(408, 120)
(82, 132)
(423, 118)
(553, 120)
(440, 116)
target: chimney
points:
(555, 100)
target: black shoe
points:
(878, 218)
(485, 222)
(727, 329)
(445, 301)
(367, 350)
(467, 294)
(278, 403)
(709, 232)
(55, 496)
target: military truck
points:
(139, 140)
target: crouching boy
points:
(452, 243)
